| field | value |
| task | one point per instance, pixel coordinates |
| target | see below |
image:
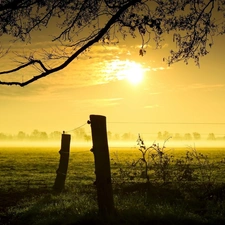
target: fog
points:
(123, 144)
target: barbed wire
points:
(69, 131)
(171, 123)
(154, 123)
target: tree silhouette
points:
(192, 24)
(211, 136)
(177, 137)
(21, 135)
(196, 136)
(187, 137)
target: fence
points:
(102, 164)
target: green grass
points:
(28, 174)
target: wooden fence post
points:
(102, 165)
(63, 163)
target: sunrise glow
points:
(133, 72)
(125, 70)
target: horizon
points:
(129, 145)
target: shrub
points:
(156, 165)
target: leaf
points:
(141, 52)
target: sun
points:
(133, 72)
(128, 70)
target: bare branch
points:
(3, 52)
(73, 56)
(25, 65)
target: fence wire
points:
(69, 131)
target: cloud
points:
(30, 92)
(206, 86)
(154, 93)
(96, 103)
(108, 101)
(155, 69)
(151, 106)
(165, 45)
(201, 86)
(148, 46)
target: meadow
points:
(28, 174)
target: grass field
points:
(28, 174)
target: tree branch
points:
(32, 62)
(47, 72)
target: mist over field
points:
(82, 138)
(117, 144)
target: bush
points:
(156, 165)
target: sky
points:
(179, 99)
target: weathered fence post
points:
(102, 165)
(63, 163)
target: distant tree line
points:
(35, 135)
(81, 135)
(187, 136)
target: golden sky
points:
(97, 83)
